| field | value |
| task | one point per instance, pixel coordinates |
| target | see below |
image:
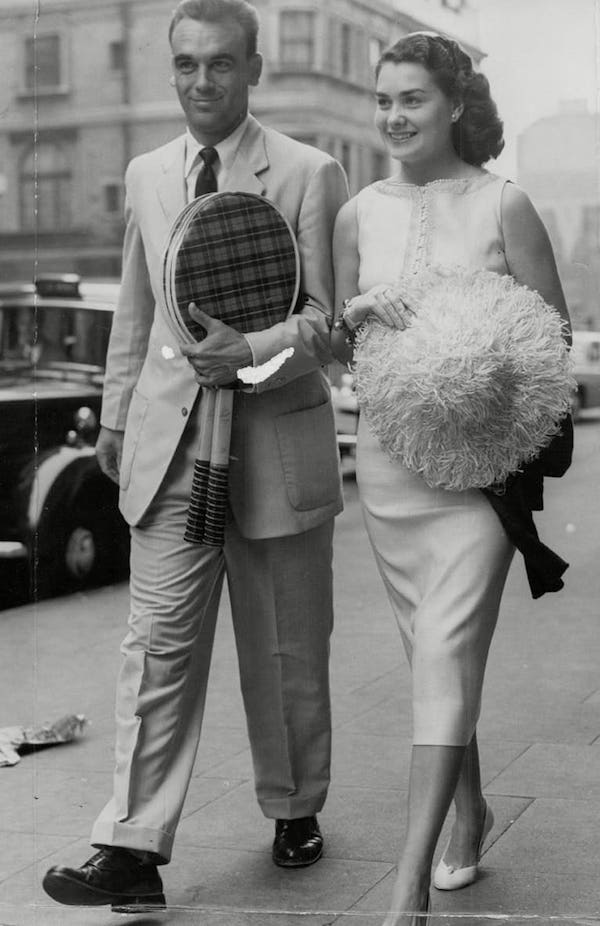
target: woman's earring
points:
(172, 81)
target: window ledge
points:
(26, 93)
(289, 70)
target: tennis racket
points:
(235, 256)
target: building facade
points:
(85, 87)
(558, 166)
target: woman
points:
(443, 555)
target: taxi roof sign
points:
(62, 285)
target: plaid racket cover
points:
(235, 256)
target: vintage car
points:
(345, 406)
(586, 369)
(58, 512)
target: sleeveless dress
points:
(443, 555)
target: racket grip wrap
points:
(194, 530)
(216, 506)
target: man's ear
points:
(255, 69)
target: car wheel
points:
(80, 553)
(83, 552)
(81, 542)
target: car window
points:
(17, 336)
(47, 335)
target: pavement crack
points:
(508, 764)
(593, 694)
(510, 824)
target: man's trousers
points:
(281, 601)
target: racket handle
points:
(221, 437)
(194, 529)
(208, 407)
(217, 492)
(217, 498)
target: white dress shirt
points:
(226, 149)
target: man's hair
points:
(216, 11)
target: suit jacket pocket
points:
(135, 422)
(308, 449)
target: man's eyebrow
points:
(218, 56)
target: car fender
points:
(48, 471)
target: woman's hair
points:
(216, 11)
(477, 134)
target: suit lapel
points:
(245, 174)
(250, 161)
(171, 184)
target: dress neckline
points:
(452, 184)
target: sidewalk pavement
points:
(539, 739)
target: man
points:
(284, 486)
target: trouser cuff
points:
(125, 836)
(289, 808)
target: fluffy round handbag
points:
(475, 387)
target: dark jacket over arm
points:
(520, 496)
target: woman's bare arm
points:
(528, 250)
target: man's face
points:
(212, 76)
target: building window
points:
(343, 57)
(585, 248)
(297, 38)
(379, 165)
(112, 198)
(376, 49)
(345, 156)
(591, 221)
(43, 63)
(46, 188)
(346, 50)
(117, 56)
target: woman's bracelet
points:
(342, 324)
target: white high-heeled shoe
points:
(447, 878)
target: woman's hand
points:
(383, 302)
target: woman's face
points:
(413, 116)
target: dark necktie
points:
(206, 181)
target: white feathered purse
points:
(475, 387)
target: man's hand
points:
(220, 355)
(109, 448)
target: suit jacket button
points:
(184, 411)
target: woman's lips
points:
(401, 136)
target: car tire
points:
(81, 542)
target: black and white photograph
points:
(300, 462)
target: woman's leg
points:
(443, 557)
(434, 773)
(470, 806)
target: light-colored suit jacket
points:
(284, 473)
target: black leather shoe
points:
(297, 843)
(112, 876)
